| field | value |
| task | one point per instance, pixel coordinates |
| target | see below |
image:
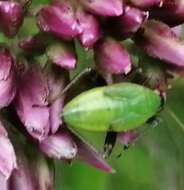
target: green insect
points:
(119, 107)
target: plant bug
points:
(118, 107)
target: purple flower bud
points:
(145, 4)
(113, 62)
(63, 55)
(7, 79)
(59, 146)
(88, 154)
(59, 19)
(171, 12)
(44, 174)
(36, 89)
(177, 30)
(31, 102)
(128, 23)
(127, 138)
(7, 155)
(104, 7)
(29, 43)
(159, 41)
(90, 29)
(23, 176)
(57, 80)
(11, 17)
(34, 44)
(33, 172)
(4, 183)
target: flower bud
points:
(7, 155)
(59, 146)
(159, 41)
(34, 44)
(33, 172)
(88, 154)
(7, 79)
(145, 4)
(63, 55)
(171, 12)
(90, 29)
(59, 19)
(128, 23)
(111, 57)
(178, 30)
(23, 176)
(31, 102)
(104, 7)
(11, 17)
(127, 138)
(57, 80)
(4, 183)
(44, 173)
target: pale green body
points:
(118, 107)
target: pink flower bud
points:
(57, 80)
(34, 172)
(171, 12)
(59, 146)
(145, 4)
(111, 57)
(178, 30)
(36, 89)
(88, 154)
(11, 17)
(34, 44)
(7, 155)
(104, 7)
(128, 23)
(159, 41)
(90, 29)
(63, 55)
(44, 171)
(7, 79)
(23, 176)
(31, 102)
(4, 183)
(59, 19)
(127, 138)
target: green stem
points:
(175, 118)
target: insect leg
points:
(154, 121)
(163, 100)
(110, 141)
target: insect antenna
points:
(72, 82)
(175, 118)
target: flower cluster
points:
(128, 40)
